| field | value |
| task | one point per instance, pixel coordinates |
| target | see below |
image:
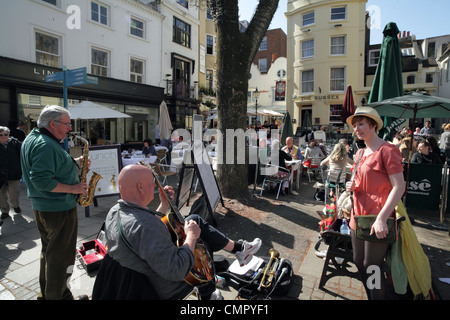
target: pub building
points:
(24, 92)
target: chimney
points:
(408, 34)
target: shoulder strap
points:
(122, 235)
(356, 165)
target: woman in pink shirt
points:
(377, 187)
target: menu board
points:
(107, 162)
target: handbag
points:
(364, 227)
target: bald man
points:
(294, 151)
(155, 255)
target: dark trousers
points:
(58, 232)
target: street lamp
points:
(256, 96)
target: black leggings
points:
(370, 255)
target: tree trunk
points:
(236, 51)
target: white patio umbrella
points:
(165, 125)
(89, 110)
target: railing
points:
(181, 90)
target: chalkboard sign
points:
(187, 174)
(206, 176)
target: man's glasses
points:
(68, 124)
(4, 134)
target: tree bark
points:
(236, 51)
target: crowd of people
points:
(53, 185)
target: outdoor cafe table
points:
(295, 168)
(134, 159)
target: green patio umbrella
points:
(388, 81)
(412, 106)
(287, 130)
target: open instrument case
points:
(92, 252)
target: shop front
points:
(24, 92)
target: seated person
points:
(294, 151)
(423, 155)
(338, 159)
(313, 150)
(154, 254)
(148, 149)
(282, 157)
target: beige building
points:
(207, 58)
(326, 51)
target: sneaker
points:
(17, 210)
(250, 248)
(4, 215)
(216, 295)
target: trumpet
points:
(270, 271)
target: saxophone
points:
(86, 200)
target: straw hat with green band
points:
(369, 113)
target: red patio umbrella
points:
(348, 107)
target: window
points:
(263, 45)
(374, 56)
(184, 3)
(407, 52)
(209, 79)
(411, 80)
(446, 71)
(281, 73)
(429, 78)
(208, 14)
(337, 79)
(337, 46)
(47, 49)
(308, 81)
(181, 33)
(99, 62)
(262, 65)
(53, 2)
(307, 49)
(336, 114)
(431, 50)
(137, 27)
(308, 19)
(339, 13)
(99, 13)
(210, 44)
(136, 70)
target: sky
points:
(422, 18)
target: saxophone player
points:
(53, 185)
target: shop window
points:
(47, 49)
(336, 114)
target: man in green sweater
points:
(53, 184)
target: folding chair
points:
(270, 173)
(335, 181)
(163, 173)
(313, 165)
(161, 156)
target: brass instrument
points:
(86, 200)
(270, 271)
